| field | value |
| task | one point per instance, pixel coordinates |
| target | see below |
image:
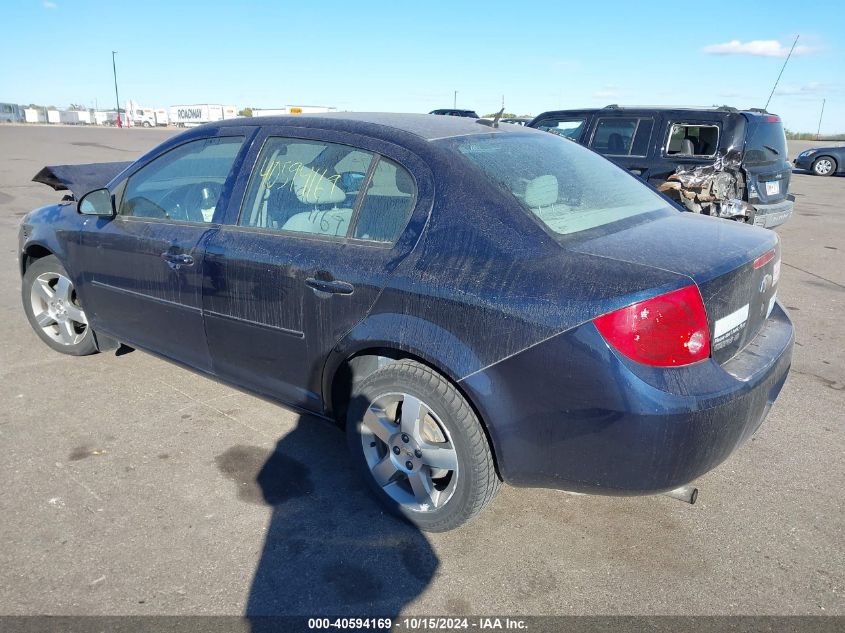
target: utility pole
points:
(116, 97)
(819, 130)
(455, 100)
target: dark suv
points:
(455, 112)
(716, 161)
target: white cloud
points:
(567, 64)
(50, 5)
(607, 92)
(759, 48)
(809, 89)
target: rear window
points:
(565, 186)
(765, 141)
(693, 139)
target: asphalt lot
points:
(131, 486)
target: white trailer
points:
(53, 116)
(162, 118)
(105, 118)
(74, 117)
(293, 109)
(197, 114)
(34, 115)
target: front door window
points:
(184, 184)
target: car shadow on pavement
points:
(330, 549)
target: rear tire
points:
(53, 309)
(420, 447)
(824, 166)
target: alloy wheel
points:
(823, 166)
(57, 310)
(409, 452)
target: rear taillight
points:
(764, 259)
(666, 331)
(773, 118)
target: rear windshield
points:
(765, 142)
(566, 186)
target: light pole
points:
(116, 97)
(455, 100)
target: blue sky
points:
(411, 56)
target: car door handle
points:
(330, 286)
(176, 260)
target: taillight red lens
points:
(666, 331)
(764, 259)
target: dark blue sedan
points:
(476, 304)
(822, 161)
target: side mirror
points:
(97, 202)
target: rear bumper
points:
(602, 424)
(772, 215)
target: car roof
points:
(427, 126)
(667, 108)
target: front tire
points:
(420, 447)
(53, 309)
(824, 166)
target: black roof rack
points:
(760, 110)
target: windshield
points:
(566, 186)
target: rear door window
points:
(622, 136)
(387, 205)
(327, 189)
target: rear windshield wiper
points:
(773, 150)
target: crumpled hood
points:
(79, 179)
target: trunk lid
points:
(719, 256)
